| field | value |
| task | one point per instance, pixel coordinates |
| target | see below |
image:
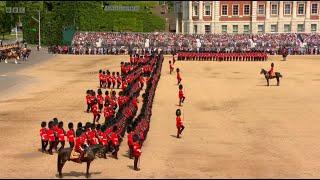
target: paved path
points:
(8, 77)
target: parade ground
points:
(235, 126)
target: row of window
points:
(246, 28)
(287, 10)
(261, 9)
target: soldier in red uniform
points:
(100, 78)
(178, 76)
(130, 142)
(51, 137)
(171, 67)
(179, 124)
(79, 142)
(107, 97)
(114, 142)
(181, 95)
(113, 101)
(61, 134)
(95, 112)
(107, 112)
(103, 138)
(271, 70)
(136, 151)
(113, 79)
(70, 135)
(124, 84)
(100, 100)
(88, 100)
(44, 136)
(118, 80)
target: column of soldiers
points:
(209, 56)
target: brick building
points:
(199, 17)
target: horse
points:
(2, 56)
(266, 75)
(25, 53)
(64, 156)
(12, 55)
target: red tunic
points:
(134, 102)
(178, 76)
(100, 76)
(94, 109)
(113, 79)
(130, 140)
(114, 139)
(107, 111)
(100, 99)
(70, 135)
(50, 134)
(88, 99)
(91, 136)
(60, 134)
(180, 94)
(178, 121)
(78, 144)
(43, 134)
(136, 150)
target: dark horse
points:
(267, 76)
(64, 156)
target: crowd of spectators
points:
(126, 43)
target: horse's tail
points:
(280, 75)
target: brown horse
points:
(64, 156)
(267, 76)
(12, 55)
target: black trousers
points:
(71, 144)
(51, 143)
(44, 145)
(136, 159)
(88, 108)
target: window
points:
(287, 9)
(207, 10)
(195, 9)
(261, 9)
(224, 28)
(207, 29)
(235, 29)
(224, 10)
(260, 28)
(274, 28)
(246, 9)
(314, 8)
(195, 29)
(246, 29)
(274, 9)
(300, 9)
(235, 10)
(300, 28)
(287, 28)
(313, 27)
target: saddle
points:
(76, 155)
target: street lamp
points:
(39, 21)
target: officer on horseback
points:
(270, 72)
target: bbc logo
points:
(15, 10)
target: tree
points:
(6, 21)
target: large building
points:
(199, 17)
